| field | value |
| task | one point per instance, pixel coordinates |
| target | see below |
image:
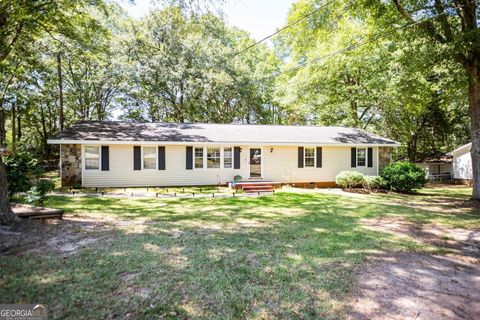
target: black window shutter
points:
(137, 158)
(161, 158)
(354, 157)
(189, 161)
(300, 157)
(236, 157)
(105, 158)
(319, 157)
(370, 157)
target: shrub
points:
(374, 182)
(36, 194)
(22, 171)
(350, 179)
(403, 176)
(237, 178)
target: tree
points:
(361, 64)
(456, 27)
(21, 24)
(183, 71)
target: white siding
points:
(278, 165)
(121, 173)
(462, 164)
(282, 165)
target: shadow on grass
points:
(282, 206)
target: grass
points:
(291, 255)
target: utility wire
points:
(284, 28)
(352, 47)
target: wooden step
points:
(26, 211)
(258, 187)
(259, 191)
(256, 184)
(46, 216)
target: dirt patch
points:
(461, 241)
(420, 286)
(437, 204)
(417, 286)
(58, 237)
(341, 192)
(70, 246)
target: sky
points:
(259, 17)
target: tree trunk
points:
(14, 127)
(100, 112)
(474, 103)
(19, 126)
(44, 133)
(181, 117)
(412, 148)
(2, 126)
(6, 214)
(60, 91)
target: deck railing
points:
(440, 177)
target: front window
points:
(199, 158)
(361, 157)
(309, 157)
(149, 158)
(92, 157)
(213, 157)
(227, 157)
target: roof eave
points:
(266, 143)
(459, 148)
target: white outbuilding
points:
(462, 164)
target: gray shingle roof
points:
(218, 133)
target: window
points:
(92, 157)
(199, 158)
(361, 157)
(309, 157)
(213, 157)
(227, 157)
(149, 157)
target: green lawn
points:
(290, 255)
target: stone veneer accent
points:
(71, 164)
(384, 157)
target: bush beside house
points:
(374, 182)
(403, 177)
(350, 179)
(399, 176)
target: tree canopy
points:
(404, 69)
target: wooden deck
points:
(256, 186)
(26, 211)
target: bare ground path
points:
(421, 286)
(418, 286)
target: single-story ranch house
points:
(462, 164)
(125, 154)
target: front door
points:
(255, 162)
